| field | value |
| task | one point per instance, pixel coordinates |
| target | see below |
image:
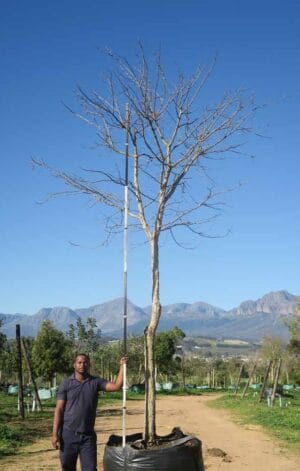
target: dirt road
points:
(246, 448)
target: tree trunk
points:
(262, 391)
(239, 379)
(272, 373)
(150, 429)
(140, 373)
(249, 380)
(209, 378)
(150, 394)
(276, 379)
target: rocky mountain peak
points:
(276, 302)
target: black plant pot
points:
(173, 452)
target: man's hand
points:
(124, 360)
(55, 442)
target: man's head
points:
(81, 363)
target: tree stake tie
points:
(126, 208)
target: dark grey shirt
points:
(81, 402)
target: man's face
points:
(81, 364)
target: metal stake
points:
(126, 209)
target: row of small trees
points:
(52, 352)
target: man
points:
(75, 414)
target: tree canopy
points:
(165, 348)
(51, 352)
(85, 337)
(293, 325)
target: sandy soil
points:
(246, 447)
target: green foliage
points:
(2, 337)
(293, 368)
(294, 346)
(293, 324)
(135, 348)
(164, 351)
(51, 352)
(272, 348)
(2, 347)
(165, 348)
(177, 334)
(9, 440)
(85, 337)
(15, 432)
(106, 359)
(9, 359)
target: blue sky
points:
(47, 48)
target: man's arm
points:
(59, 410)
(112, 386)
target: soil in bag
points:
(173, 452)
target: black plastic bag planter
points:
(173, 452)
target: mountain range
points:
(251, 320)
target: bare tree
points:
(272, 348)
(172, 138)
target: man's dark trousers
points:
(74, 444)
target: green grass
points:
(15, 432)
(282, 422)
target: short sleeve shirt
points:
(81, 399)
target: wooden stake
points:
(31, 375)
(249, 379)
(261, 395)
(239, 379)
(276, 379)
